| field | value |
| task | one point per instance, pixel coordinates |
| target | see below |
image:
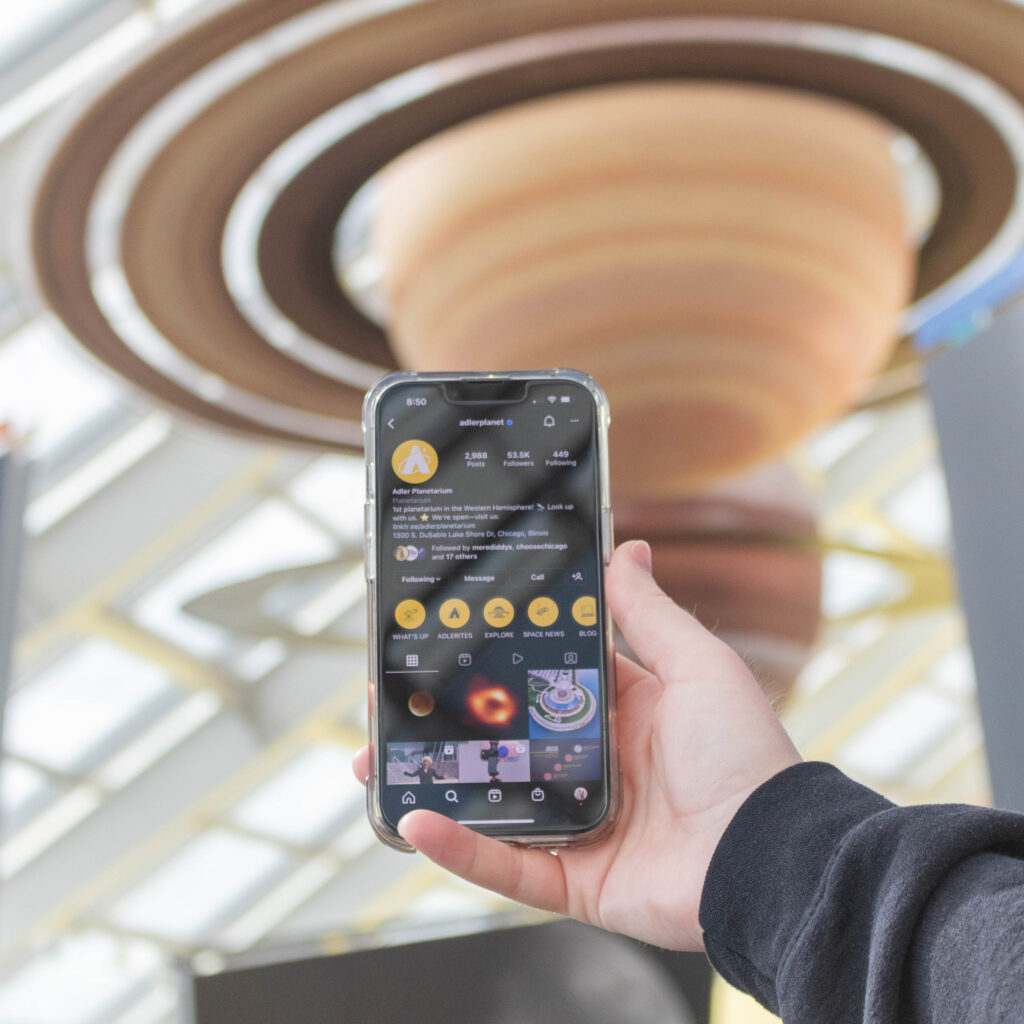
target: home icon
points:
(408, 798)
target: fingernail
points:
(642, 555)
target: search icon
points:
(451, 796)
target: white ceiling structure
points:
(178, 789)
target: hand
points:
(696, 737)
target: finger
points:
(628, 672)
(361, 764)
(532, 877)
(665, 638)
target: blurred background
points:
(786, 239)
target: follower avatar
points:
(426, 772)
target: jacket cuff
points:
(769, 865)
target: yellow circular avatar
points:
(454, 613)
(410, 614)
(542, 611)
(498, 612)
(584, 611)
(414, 461)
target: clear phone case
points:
(371, 402)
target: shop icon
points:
(537, 795)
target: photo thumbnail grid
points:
(493, 761)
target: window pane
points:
(47, 392)
(302, 801)
(272, 536)
(66, 715)
(76, 980)
(214, 875)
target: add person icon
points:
(542, 611)
(584, 611)
(454, 613)
(414, 461)
(498, 612)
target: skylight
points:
(920, 508)
(23, 791)
(83, 977)
(272, 536)
(63, 717)
(211, 877)
(854, 583)
(332, 490)
(303, 801)
(19, 22)
(45, 391)
(888, 745)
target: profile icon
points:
(414, 461)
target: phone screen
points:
(491, 670)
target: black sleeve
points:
(828, 903)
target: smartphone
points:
(488, 529)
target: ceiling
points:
(178, 789)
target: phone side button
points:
(609, 537)
(368, 544)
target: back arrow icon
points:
(391, 423)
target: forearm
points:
(820, 898)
